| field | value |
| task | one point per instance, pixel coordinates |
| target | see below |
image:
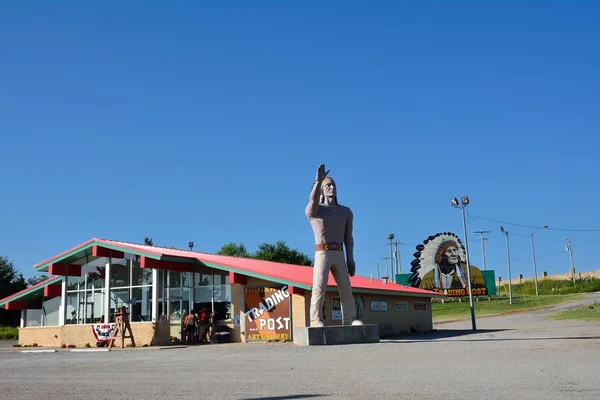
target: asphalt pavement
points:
(520, 356)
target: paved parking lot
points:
(520, 356)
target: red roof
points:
(295, 275)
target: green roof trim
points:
(29, 291)
(44, 267)
(259, 276)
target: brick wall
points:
(299, 313)
(390, 322)
(237, 309)
(78, 335)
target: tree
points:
(148, 241)
(280, 252)
(234, 250)
(11, 282)
(36, 279)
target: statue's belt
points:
(330, 246)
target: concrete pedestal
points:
(339, 334)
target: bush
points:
(9, 333)
(553, 286)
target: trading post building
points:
(256, 300)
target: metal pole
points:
(468, 269)
(534, 265)
(509, 274)
(392, 277)
(377, 266)
(483, 247)
(571, 259)
(387, 273)
(397, 255)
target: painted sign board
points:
(267, 315)
(336, 308)
(378, 306)
(440, 266)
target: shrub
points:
(9, 333)
(87, 345)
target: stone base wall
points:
(144, 333)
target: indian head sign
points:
(440, 265)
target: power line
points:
(535, 227)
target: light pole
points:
(508, 256)
(390, 238)
(465, 202)
(533, 252)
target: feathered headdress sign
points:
(429, 255)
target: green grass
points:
(582, 314)
(455, 310)
(9, 333)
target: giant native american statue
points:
(332, 227)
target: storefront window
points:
(130, 286)
(120, 274)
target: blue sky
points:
(206, 122)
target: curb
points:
(87, 350)
(38, 351)
(172, 347)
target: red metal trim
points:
(16, 305)
(99, 251)
(64, 270)
(237, 278)
(53, 291)
(295, 290)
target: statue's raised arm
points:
(312, 209)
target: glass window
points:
(94, 306)
(118, 298)
(51, 310)
(72, 300)
(119, 275)
(221, 277)
(174, 279)
(140, 276)
(74, 283)
(95, 276)
(141, 304)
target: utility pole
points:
(377, 266)
(508, 258)
(397, 257)
(390, 238)
(570, 250)
(386, 267)
(482, 246)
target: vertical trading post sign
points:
(267, 314)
